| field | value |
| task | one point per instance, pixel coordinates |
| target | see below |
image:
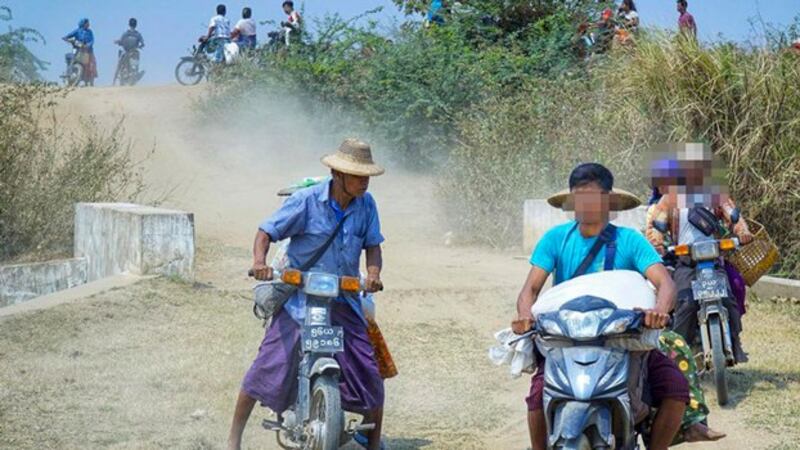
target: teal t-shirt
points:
(563, 248)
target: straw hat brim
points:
(337, 162)
(619, 200)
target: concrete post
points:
(122, 237)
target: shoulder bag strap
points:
(605, 236)
(321, 251)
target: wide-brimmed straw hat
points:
(353, 157)
(619, 200)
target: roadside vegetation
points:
(502, 103)
(45, 170)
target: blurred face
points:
(681, 8)
(353, 184)
(590, 203)
(287, 9)
(86, 25)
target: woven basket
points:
(756, 258)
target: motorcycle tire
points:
(326, 421)
(74, 74)
(718, 359)
(189, 73)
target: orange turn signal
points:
(293, 277)
(727, 244)
(682, 250)
(350, 284)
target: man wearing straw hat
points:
(309, 217)
(590, 244)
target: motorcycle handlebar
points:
(276, 274)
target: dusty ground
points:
(158, 365)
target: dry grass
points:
(127, 369)
(744, 102)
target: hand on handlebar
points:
(373, 284)
(522, 325)
(261, 272)
(654, 319)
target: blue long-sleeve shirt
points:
(308, 217)
(83, 36)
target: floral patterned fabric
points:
(675, 347)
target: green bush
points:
(17, 63)
(499, 96)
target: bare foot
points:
(700, 432)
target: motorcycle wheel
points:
(74, 74)
(327, 419)
(189, 73)
(718, 359)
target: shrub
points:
(44, 172)
(744, 102)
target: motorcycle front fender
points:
(324, 366)
(573, 418)
(187, 58)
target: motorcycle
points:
(76, 61)
(191, 70)
(711, 290)
(317, 421)
(592, 346)
(127, 72)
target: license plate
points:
(322, 339)
(709, 288)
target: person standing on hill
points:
(219, 34)
(293, 23)
(686, 23)
(83, 39)
(244, 33)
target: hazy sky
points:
(170, 27)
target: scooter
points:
(711, 290)
(316, 421)
(593, 344)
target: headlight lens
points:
(322, 285)
(552, 328)
(702, 251)
(618, 326)
(584, 324)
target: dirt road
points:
(158, 364)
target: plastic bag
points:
(518, 354)
(231, 51)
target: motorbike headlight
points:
(702, 251)
(584, 324)
(618, 326)
(551, 327)
(322, 285)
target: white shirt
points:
(222, 27)
(246, 27)
(294, 20)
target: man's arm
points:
(374, 267)
(260, 249)
(527, 297)
(666, 294)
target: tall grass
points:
(44, 171)
(744, 102)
